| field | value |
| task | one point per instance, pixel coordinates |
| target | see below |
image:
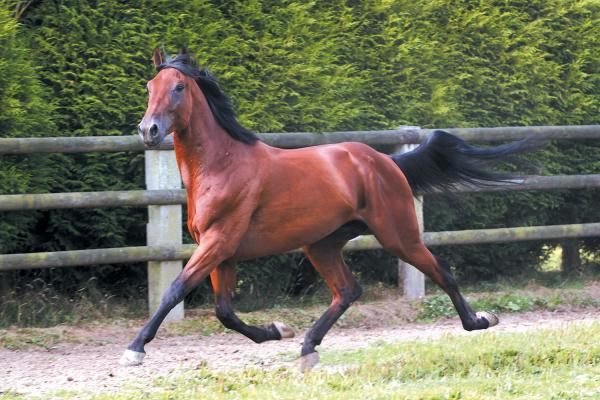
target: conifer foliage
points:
(79, 68)
(24, 112)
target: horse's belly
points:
(308, 195)
(281, 232)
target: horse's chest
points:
(212, 202)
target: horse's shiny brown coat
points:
(247, 201)
(252, 200)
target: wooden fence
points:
(164, 197)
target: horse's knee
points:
(227, 317)
(349, 295)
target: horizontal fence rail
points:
(495, 235)
(368, 242)
(131, 198)
(408, 135)
(504, 235)
(165, 251)
(142, 198)
(555, 182)
(75, 258)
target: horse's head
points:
(170, 99)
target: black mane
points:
(219, 103)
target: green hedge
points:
(24, 112)
(304, 66)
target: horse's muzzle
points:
(152, 135)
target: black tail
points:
(443, 160)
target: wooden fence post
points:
(410, 279)
(164, 227)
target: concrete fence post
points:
(411, 280)
(164, 227)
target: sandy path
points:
(94, 367)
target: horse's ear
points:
(157, 57)
(184, 50)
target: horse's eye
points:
(179, 87)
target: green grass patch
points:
(11, 396)
(382, 307)
(26, 338)
(559, 363)
(40, 304)
(537, 298)
(439, 306)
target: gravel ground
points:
(94, 367)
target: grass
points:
(438, 306)
(25, 338)
(381, 310)
(40, 304)
(381, 307)
(506, 297)
(558, 363)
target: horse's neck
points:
(204, 148)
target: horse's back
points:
(349, 172)
(377, 170)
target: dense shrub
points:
(23, 112)
(300, 66)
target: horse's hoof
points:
(285, 331)
(308, 361)
(492, 319)
(131, 358)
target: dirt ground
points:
(94, 367)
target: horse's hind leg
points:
(439, 271)
(326, 257)
(400, 236)
(223, 282)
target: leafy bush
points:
(23, 112)
(80, 67)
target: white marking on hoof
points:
(284, 330)
(492, 319)
(308, 362)
(131, 358)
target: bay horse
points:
(246, 199)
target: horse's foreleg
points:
(327, 259)
(223, 282)
(135, 353)
(204, 259)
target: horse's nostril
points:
(153, 130)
